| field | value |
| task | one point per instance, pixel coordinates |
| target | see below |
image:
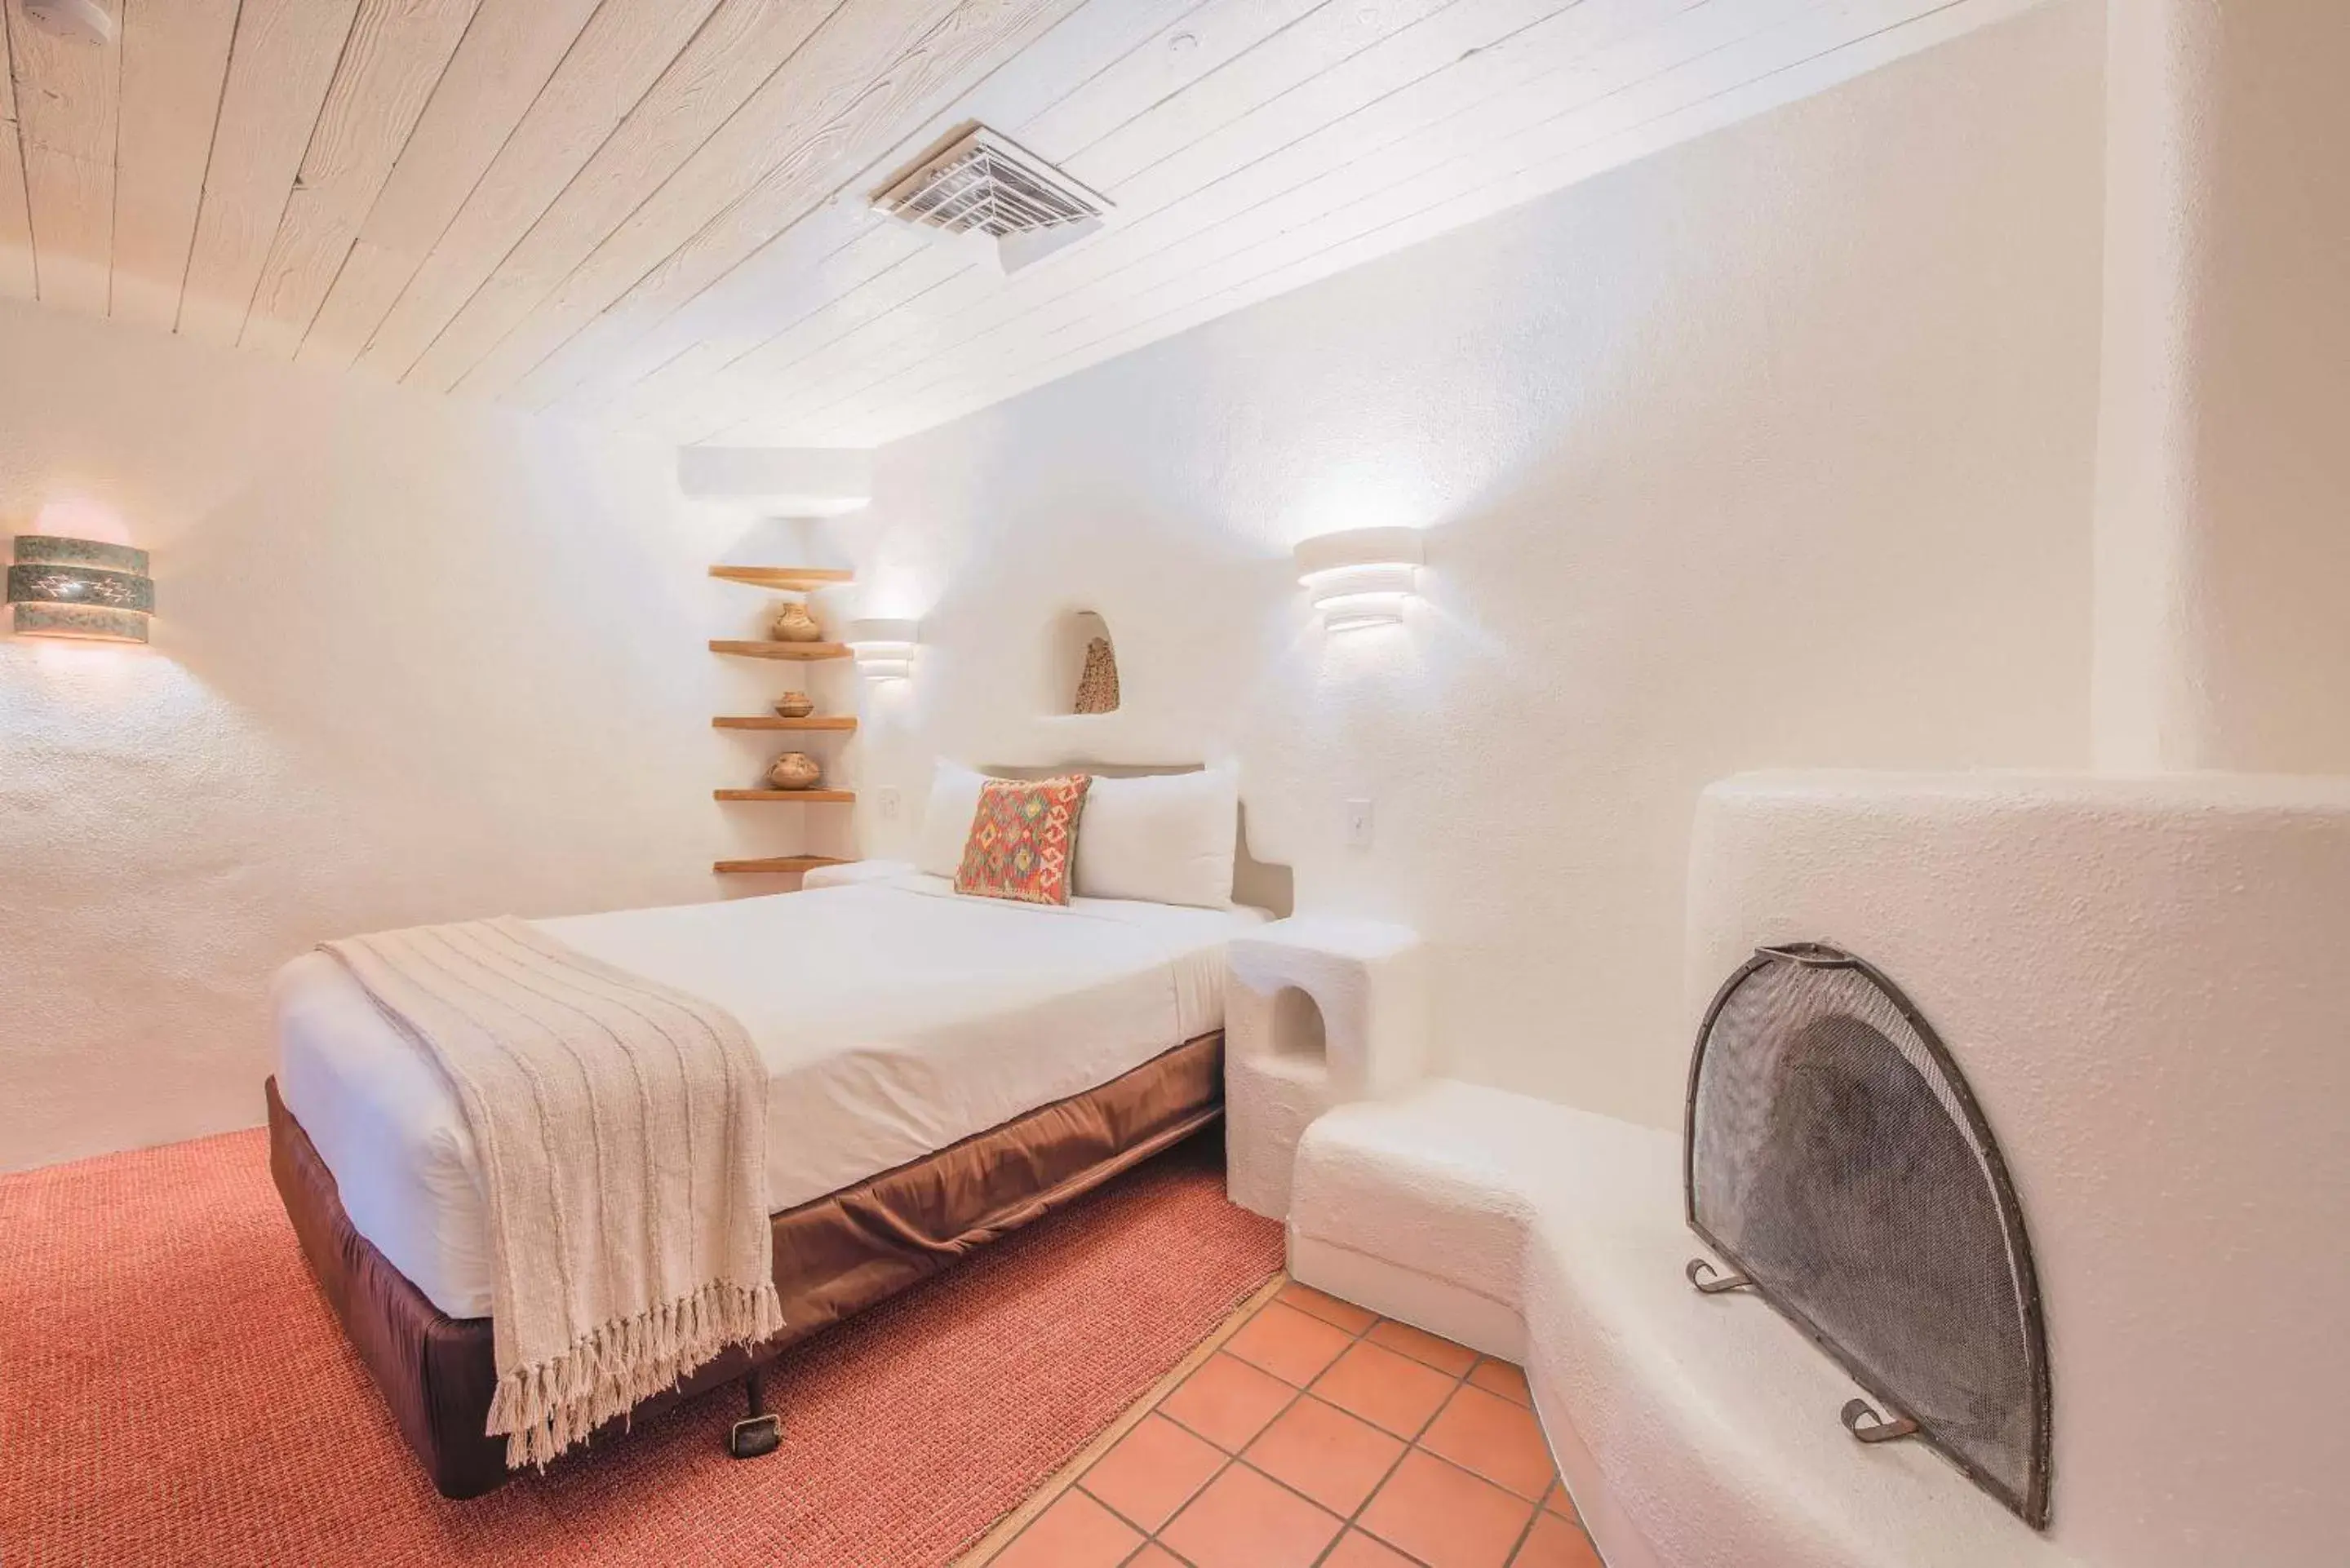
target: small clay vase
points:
(794, 624)
(793, 770)
(794, 705)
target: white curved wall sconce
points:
(884, 649)
(1362, 577)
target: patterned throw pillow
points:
(1024, 839)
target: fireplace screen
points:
(1836, 1161)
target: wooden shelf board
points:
(774, 865)
(798, 578)
(776, 721)
(832, 796)
(773, 649)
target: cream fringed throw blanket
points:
(621, 1128)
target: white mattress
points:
(894, 1017)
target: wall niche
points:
(1084, 665)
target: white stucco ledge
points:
(1694, 1431)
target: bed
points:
(941, 1069)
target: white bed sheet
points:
(894, 1017)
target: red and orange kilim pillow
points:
(1024, 839)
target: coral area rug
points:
(173, 1389)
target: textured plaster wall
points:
(2223, 498)
(414, 662)
(1775, 449)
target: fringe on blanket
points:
(545, 1408)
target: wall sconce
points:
(79, 587)
(884, 649)
(1362, 577)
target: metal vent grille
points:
(980, 184)
(1837, 1161)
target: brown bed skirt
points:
(832, 1257)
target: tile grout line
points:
(1001, 1534)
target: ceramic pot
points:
(794, 705)
(793, 770)
(794, 624)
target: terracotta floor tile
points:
(1499, 1440)
(1288, 1343)
(1446, 1517)
(1228, 1402)
(1447, 1357)
(1328, 1308)
(1075, 1532)
(1500, 1378)
(1155, 1556)
(1244, 1521)
(1329, 1455)
(1361, 1550)
(1553, 1543)
(1385, 1389)
(1152, 1471)
(1559, 1503)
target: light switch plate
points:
(889, 799)
(1358, 825)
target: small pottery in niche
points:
(794, 705)
(794, 624)
(793, 770)
(1098, 685)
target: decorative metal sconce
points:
(884, 649)
(1362, 577)
(79, 587)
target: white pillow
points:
(946, 820)
(1168, 838)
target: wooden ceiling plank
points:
(279, 73)
(175, 62)
(843, 247)
(627, 48)
(1243, 56)
(1482, 100)
(835, 110)
(1672, 102)
(742, 46)
(68, 98)
(508, 54)
(398, 53)
(16, 277)
(1250, 110)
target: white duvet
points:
(894, 1018)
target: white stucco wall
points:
(2224, 481)
(414, 662)
(1774, 450)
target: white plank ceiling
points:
(652, 213)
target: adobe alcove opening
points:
(1298, 1034)
(1085, 664)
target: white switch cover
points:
(889, 798)
(1358, 825)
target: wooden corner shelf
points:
(777, 722)
(805, 796)
(799, 579)
(774, 650)
(774, 865)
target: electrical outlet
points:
(889, 799)
(1358, 825)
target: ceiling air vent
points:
(993, 195)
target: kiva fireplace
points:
(1835, 1160)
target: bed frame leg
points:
(758, 1433)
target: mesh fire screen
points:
(1835, 1158)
